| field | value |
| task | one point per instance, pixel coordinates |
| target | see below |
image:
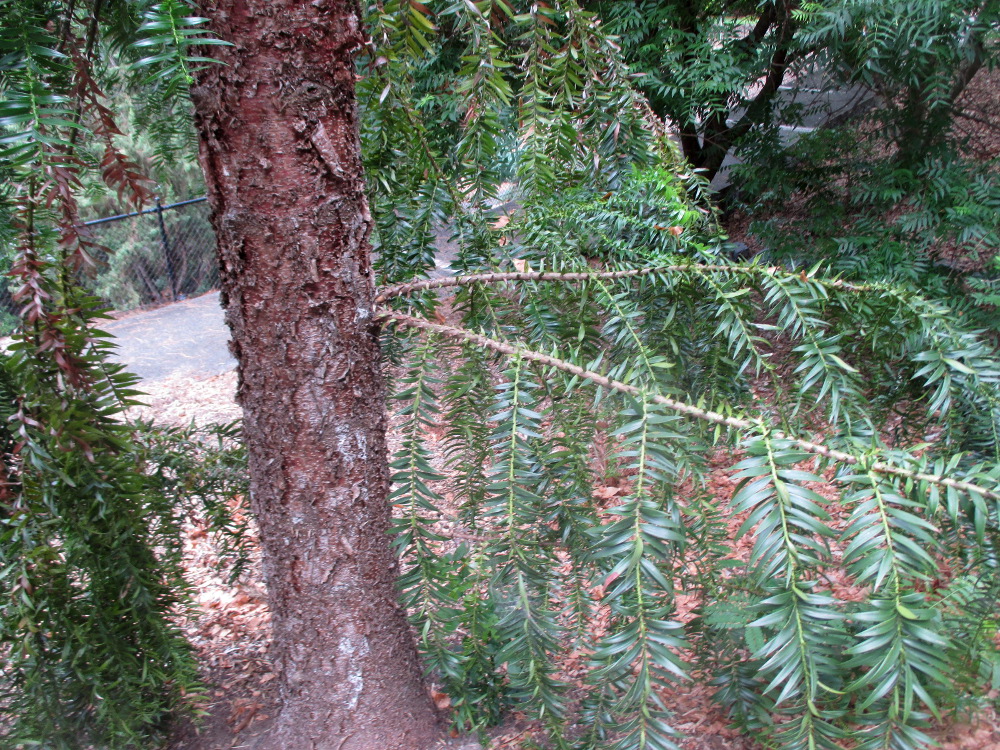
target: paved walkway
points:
(187, 338)
(190, 338)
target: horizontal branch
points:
(679, 407)
(493, 278)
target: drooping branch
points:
(680, 407)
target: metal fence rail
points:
(160, 255)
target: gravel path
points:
(187, 338)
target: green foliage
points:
(622, 347)
(90, 545)
(917, 56)
(607, 350)
(933, 225)
(715, 69)
(822, 663)
(203, 473)
(90, 558)
(892, 195)
(709, 68)
(822, 668)
(490, 95)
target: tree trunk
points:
(278, 125)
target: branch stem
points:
(492, 278)
(679, 407)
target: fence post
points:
(167, 252)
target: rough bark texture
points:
(280, 151)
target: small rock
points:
(459, 743)
(738, 251)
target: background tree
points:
(903, 191)
(714, 69)
(900, 148)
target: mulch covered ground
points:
(231, 628)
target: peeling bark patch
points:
(327, 150)
(353, 649)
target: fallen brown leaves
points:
(231, 630)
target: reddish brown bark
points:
(280, 151)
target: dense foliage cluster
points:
(618, 335)
(883, 88)
(92, 511)
(90, 555)
(642, 374)
(599, 350)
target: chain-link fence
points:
(159, 255)
(156, 256)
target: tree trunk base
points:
(299, 734)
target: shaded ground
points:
(231, 631)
